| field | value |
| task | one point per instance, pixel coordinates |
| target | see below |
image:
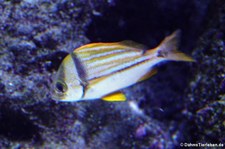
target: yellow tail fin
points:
(168, 49)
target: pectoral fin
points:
(148, 75)
(117, 96)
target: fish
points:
(102, 70)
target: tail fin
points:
(168, 49)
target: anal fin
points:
(148, 75)
(116, 96)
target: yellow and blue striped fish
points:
(100, 70)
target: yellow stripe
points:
(102, 59)
(100, 46)
(103, 71)
(114, 62)
(113, 59)
(95, 55)
(99, 79)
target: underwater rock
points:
(206, 104)
(34, 37)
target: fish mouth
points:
(54, 97)
(60, 98)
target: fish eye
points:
(60, 87)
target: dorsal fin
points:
(133, 44)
